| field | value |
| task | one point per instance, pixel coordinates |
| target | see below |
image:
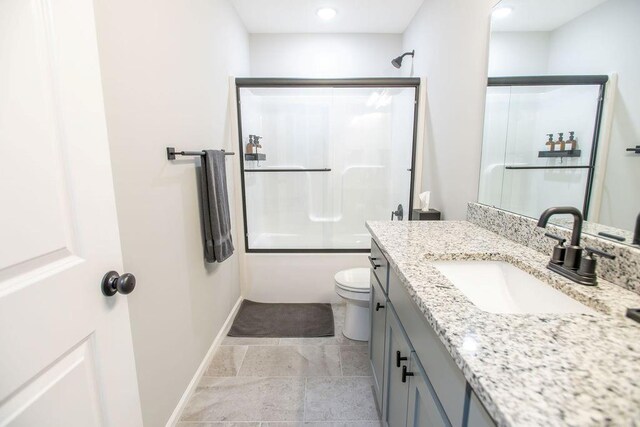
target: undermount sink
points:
(499, 287)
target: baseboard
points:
(177, 413)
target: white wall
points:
(602, 41)
(451, 41)
(523, 53)
(324, 55)
(165, 67)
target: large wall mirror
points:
(562, 117)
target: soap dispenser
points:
(572, 141)
(588, 264)
(561, 141)
(249, 148)
(550, 142)
(558, 250)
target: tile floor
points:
(286, 382)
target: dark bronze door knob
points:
(112, 282)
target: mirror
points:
(562, 116)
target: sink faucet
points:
(573, 251)
(568, 261)
(636, 233)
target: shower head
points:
(397, 62)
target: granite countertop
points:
(527, 369)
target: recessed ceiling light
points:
(326, 13)
(501, 12)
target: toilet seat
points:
(354, 280)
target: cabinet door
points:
(377, 310)
(424, 410)
(396, 357)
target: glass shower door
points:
(329, 159)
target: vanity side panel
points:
(478, 416)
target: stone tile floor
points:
(286, 382)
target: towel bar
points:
(172, 153)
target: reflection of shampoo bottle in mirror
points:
(424, 200)
(561, 141)
(249, 149)
(551, 143)
(573, 142)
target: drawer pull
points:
(373, 264)
(379, 306)
(405, 374)
(399, 358)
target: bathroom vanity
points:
(439, 359)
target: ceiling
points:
(299, 16)
(541, 15)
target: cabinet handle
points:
(373, 264)
(379, 306)
(399, 358)
(405, 374)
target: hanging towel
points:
(218, 244)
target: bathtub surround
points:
(165, 70)
(623, 271)
(531, 369)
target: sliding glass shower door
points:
(320, 160)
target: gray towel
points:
(218, 244)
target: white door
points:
(66, 356)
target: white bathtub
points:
(283, 277)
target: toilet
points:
(353, 285)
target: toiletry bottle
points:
(551, 143)
(561, 141)
(249, 149)
(573, 142)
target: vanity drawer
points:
(445, 376)
(379, 265)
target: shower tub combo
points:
(320, 157)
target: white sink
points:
(499, 287)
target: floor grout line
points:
(304, 401)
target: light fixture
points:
(326, 13)
(501, 12)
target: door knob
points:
(379, 306)
(112, 282)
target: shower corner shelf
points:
(255, 156)
(560, 153)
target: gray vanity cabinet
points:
(432, 392)
(423, 407)
(397, 355)
(378, 309)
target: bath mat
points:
(256, 319)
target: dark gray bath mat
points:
(256, 319)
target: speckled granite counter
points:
(528, 370)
